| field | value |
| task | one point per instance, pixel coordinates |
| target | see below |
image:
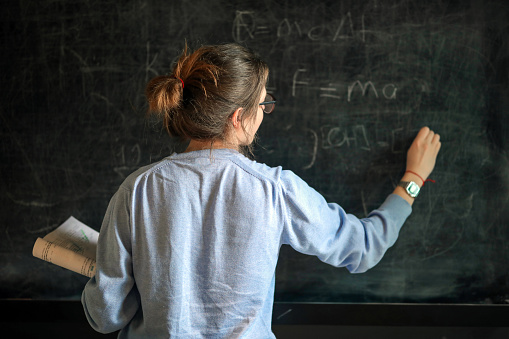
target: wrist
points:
(411, 188)
(423, 181)
(408, 188)
(411, 176)
(403, 194)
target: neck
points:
(198, 145)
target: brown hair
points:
(205, 88)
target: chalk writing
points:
(352, 137)
(338, 136)
(245, 27)
(332, 90)
(296, 82)
(315, 149)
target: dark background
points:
(355, 80)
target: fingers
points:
(429, 136)
(422, 154)
(436, 143)
(423, 133)
(436, 139)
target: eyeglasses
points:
(269, 103)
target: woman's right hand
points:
(422, 154)
(421, 158)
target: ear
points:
(236, 118)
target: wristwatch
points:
(411, 188)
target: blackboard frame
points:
(377, 314)
(312, 314)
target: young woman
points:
(189, 245)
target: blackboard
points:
(355, 80)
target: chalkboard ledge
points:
(408, 315)
(329, 314)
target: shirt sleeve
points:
(110, 298)
(325, 230)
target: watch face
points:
(412, 189)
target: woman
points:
(189, 245)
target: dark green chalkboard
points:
(355, 80)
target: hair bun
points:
(182, 81)
(164, 93)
